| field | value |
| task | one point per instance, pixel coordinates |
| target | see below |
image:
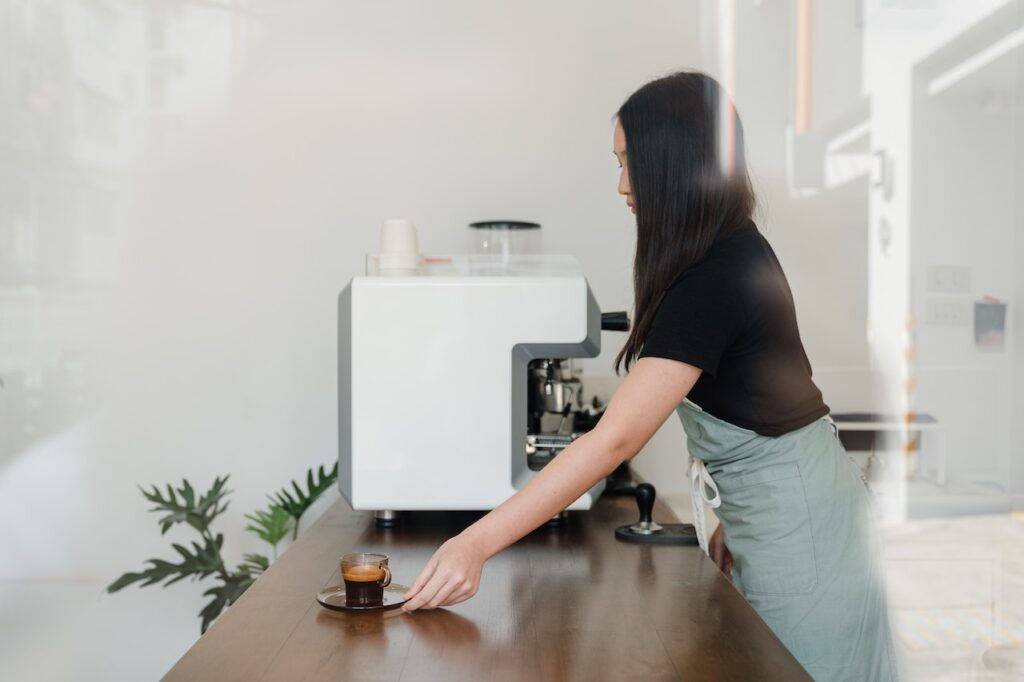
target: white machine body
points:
(432, 377)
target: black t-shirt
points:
(732, 315)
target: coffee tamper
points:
(647, 531)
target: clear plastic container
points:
(504, 238)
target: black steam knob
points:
(645, 502)
(615, 322)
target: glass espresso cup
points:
(365, 575)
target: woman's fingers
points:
(437, 592)
(452, 575)
(719, 552)
(716, 548)
(422, 579)
(441, 598)
(425, 594)
(716, 553)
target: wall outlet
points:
(948, 279)
(948, 312)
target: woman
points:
(714, 325)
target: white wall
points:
(964, 218)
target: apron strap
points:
(700, 483)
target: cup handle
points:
(387, 577)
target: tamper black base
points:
(670, 534)
(657, 534)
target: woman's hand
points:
(451, 576)
(720, 554)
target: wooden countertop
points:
(569, 604)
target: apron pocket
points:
(768, 529)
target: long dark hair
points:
(689, 181)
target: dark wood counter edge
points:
(283, 597)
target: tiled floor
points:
(956, 590)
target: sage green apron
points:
(796, 516)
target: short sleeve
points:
(700, 317)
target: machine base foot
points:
(385, 518)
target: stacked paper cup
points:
(399, 248)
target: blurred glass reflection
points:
(892, 148)
(886, 140)
(87, 87)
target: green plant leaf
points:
(196, 563)
(232, 588)
(315, 487)
(209, 505)
(224, 595)
(254, 564)
(199, 515)
(271, 524)
(199, 561)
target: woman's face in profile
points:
(619, 148)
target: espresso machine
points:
(458, 380)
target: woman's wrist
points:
(479, 540)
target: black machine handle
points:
(615, 322)
(645, 501)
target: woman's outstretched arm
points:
(648, 395)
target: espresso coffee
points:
(364, 585)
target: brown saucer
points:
(333, 598)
